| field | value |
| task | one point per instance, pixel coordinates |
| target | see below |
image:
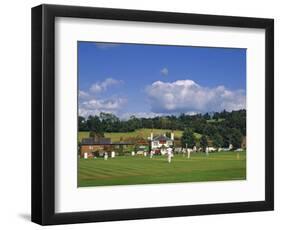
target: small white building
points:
(161, 141)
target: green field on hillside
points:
(129, 170)
(137, 133)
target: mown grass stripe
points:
(143, 170)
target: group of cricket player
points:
(169, 152)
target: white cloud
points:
(92, 103)
(108, 104)
(83, 95)
(165, 71)
(95, 106)
(185, 96)
(104, 85)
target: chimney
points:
(172, 135)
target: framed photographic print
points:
(142, 114)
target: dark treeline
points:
(200, 123)
(222, 126)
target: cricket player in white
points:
(105, 156)
(151, 153)
(170, 154)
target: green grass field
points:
(138, 133)
(128, 170)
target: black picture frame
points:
(43, 114)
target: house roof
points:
(162, 138)
(92, 141)
(102, 141)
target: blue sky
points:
(151, 80)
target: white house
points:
(161, 141)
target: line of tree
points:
(222, 128)
(217, 140)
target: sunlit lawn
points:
(127, 170)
